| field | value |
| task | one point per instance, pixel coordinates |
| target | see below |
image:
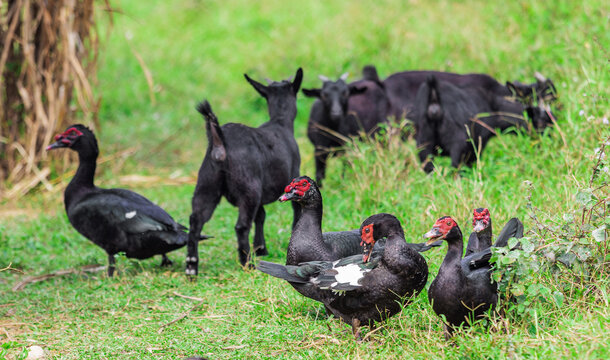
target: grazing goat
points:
(401, 89)
(343, 110)
(248, 166)
(446, 117)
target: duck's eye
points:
(367, 230)
(449, 223)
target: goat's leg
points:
(203, 208)
(459, 153)
(259, 234)
(242, 229)
(111, 265)
(321, 155)
(425, 143)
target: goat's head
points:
(541, 116)
(334, 95)
(542, 91)
(278, 88)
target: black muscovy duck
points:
(459, 292)
(480, 238)
(362, 289)
(117, 220)
(482, 235)
(307, 242)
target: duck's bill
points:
(367, 249)
(286, 197)
(56, 145)
(433, 235)
(479, 225)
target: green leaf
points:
(558, 296)
(584, 197)
(527, 246)
(512, 242)
(507, 260)
(517, 290)
(599, 234)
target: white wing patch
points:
(349, 274)
(130, 214)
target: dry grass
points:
(48, 60)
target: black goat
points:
(402, 87)
(446, 117)
(248, 166)
(344, 110)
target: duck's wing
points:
(512, 229)
(132, 214)
(343, 243)
(346, 274)
(339, 275)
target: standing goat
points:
(344, 110)
(248, 166)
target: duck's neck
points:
(455, 250)
(82, 182)
(306, 242)
(485, 238)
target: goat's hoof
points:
(262, 251)
(248, 266)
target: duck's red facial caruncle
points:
(440, 229)
(296, 189)
(368, 241)
(65, 139)
(480, 219)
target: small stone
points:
(35, 352)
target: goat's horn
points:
(539, 77)
(344, 76)
(323, 78)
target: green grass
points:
(196, 49)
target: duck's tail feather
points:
(279, 271)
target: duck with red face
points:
(117, 220)
(458, 292)
(480, 238)
(367, 288)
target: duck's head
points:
(481, 220)
(445, 228)
(377, 227)
(78, 138)
(302, 190)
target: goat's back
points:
(402, 87)
(259, 159)
(365, 110)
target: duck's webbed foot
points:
(165, 261)
(356, 329)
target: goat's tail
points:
(369, 72)
(215, 137)
(435, 110)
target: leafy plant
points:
(565, 256)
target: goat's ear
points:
(355, 90)
(514, 89)
(262, 89)
(314, 93)
(296, 83)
